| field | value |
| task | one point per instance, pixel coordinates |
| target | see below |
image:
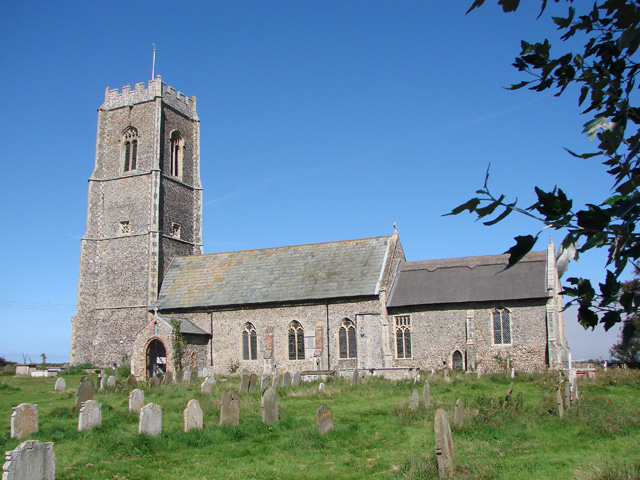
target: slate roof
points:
(186, 326)
(470, 279)
(350, 268)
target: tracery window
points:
(347, 339)
(249, 342)
(296, 341)
(501, 326)
(177, 151)
(403, 336)
(129, 149)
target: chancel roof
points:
(350, 268)
(470, 279)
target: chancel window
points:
(177, 153)
(403, 336)
(129, 149)
(296, 341)
(501, 326)
(249, 342)
(347, 339)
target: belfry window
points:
(403, 336)
(501, 326)
(177, 154)
(129, 149)
(249, 342)
(347, 339)
(296, 341)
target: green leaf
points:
(476, 4)
(609, 290)
(610, 319)
(592, 126)
(553, 205)
(470, 205)
(502, 216)
(583, 155)
(488, 210)
(509, 5)
(523, 245)
(594, 219)
(587, 317)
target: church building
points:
(332, 306)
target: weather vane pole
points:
(153, 65)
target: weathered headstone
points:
(354, 377)
(61, 384)
(160, 377)
(244, 371)
(85, 392)
(102, 380)
(111, 381)
(559, 402)
(179, 376)
(458, 413)
(168, 378)
(513, 372)
(24, 420)
(154, 382)
(244, 384)
(415, 400)
(194, 376)
(31, 460)
(131, 380)
(150, 420)
(567, 394)
(186, 376)
(230, 407)
(286, 380)
(269, 404)
(444, 445)
(207, 372)
(264, 382)
(295, 379)
(321, 387)
(324, 419)
(479, 373)
(426, 394)
(575, 394)
(253, 381)
(276, 381)
(446, 374)
(206, 386)
(90, 415)
(136, 400)
(193, 416)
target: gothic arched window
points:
(177, 152)
(249, 342)
(296, 341)
(129, 149)
(403, 336)
(347, 339)
(501, 326)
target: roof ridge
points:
(468, 262)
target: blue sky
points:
(320, 121)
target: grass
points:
(376, 435)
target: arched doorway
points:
(457, 360)
(156, 358)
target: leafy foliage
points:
(627, 350)
(605, 69)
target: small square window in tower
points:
(175, 230)
(124, 228)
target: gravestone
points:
(415, 400)
(354, 377)
(179, 376)
(321, 387)
(479, 373)
(131, 380)
(426, 395)
(193, 416)
(102, 379)
(160, 377)
(575, 394)
(567, 394)
(244, 384)
(269, 405)
(286, 380)
(31, 460)
(253, 381)
(264, 382)
(186, 376)
(559, 401)
(111, 381)
(244, 372)
(24, 420)
(136, 400)
(444, 445)
(194, 376)
(168, 378)
(230, 407)
(90, 415)
(446, 374)
(150, 420)
(154, 382)
(207, 372)
(295, 380)
(458, 413)
(206, 386)
(85, 392)
(276, 381)
(61, 384)
(324, 419)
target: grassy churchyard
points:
(376, 434)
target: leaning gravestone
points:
(179, 377)
(136, 400)
(85, 392)
(253, 380)
(244, 384)
(154, 382)
(269, 405)
(168, 378)
(230, 407)
(206, 386)
(61, 384)
(295, 379)
(415, 400)
(276, 381)
(458, 413)
(324, 419)
(193, 416)
(286, 380)
(426, 394)
(90, 415)
(111, 381)
(30, 460)
(354, 378)
(131, 380)
(264, 382)
(444, 445)
(150, 420)
(24, 420)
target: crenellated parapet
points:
(113, 98)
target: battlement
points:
(113, 98)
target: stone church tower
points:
(144, 209)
